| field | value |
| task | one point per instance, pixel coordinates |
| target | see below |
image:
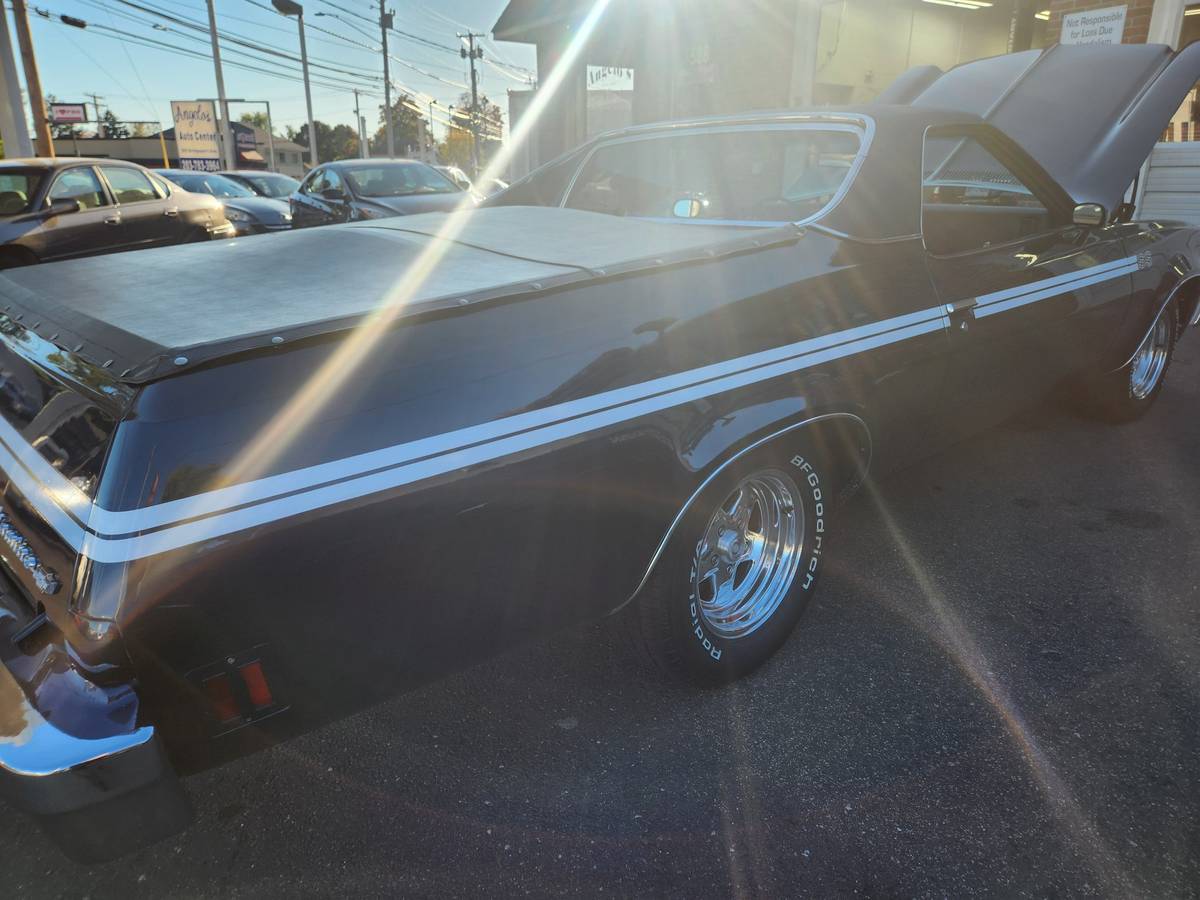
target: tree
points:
(256, 119)
(333, 142)
(112, 127)
(457, 149)
(407, 128)
(141, 129)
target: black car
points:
(249, 213)
(53, 209)
(265, 184)
(437, 436)
(352, 190)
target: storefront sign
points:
(609, 78)
(1095, 26)
(62, 113)
(196, 136)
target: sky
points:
(136, 81)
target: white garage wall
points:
(1172, 189)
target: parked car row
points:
(52, 209)
(71, 207)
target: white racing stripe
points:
(117, 536)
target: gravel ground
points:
(996, 693)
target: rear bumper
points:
(97, 798)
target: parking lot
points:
(995, 694)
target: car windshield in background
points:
(759, 175)
(17, 190)
(398, 181)
(273, 185)
(217, 185)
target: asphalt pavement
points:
(996, 693)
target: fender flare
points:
(730, 459)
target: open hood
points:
(1090, 114)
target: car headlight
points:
(369, 212)
(237, 215)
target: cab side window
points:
(78, 184)
(129, 185)
(970, 200)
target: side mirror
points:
(61, 208)
(1089, 215)
(687, 208)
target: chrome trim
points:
(712, 476)
(1150, 361)
(863, 126)
(31, 747)
(748, 554)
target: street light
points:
(290, 8)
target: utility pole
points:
(226, 131)
(12, 114)
(358, 119)
(96, 98)
(473, 53)
(385, 22)
(33, 81)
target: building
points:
(683, 58)
(254, 150)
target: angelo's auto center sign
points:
(196, 135)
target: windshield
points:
(739, 175)
(270, 185)
(398, 180)
(205, 183)
(17, 190)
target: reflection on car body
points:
(626, 411)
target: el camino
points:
(637, 382)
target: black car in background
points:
(351, 190)
(264, 184)
(248, 212)
(53, 209)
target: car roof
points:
(375, 161)
(62, 162)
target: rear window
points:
(17, 191)
(751, 175)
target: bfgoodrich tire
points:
(1128, 393)
(739, 569)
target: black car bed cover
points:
(150, 314)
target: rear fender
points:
(842, 436)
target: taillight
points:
(219, 691)
(256, 685)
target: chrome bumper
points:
(96, 798)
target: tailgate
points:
(58, 415)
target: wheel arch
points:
(1187, 292)
(842, 436)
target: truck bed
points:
(148, 314)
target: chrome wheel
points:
(747, 558)
(1150, 362)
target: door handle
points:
(112, 220)
(172, 212)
